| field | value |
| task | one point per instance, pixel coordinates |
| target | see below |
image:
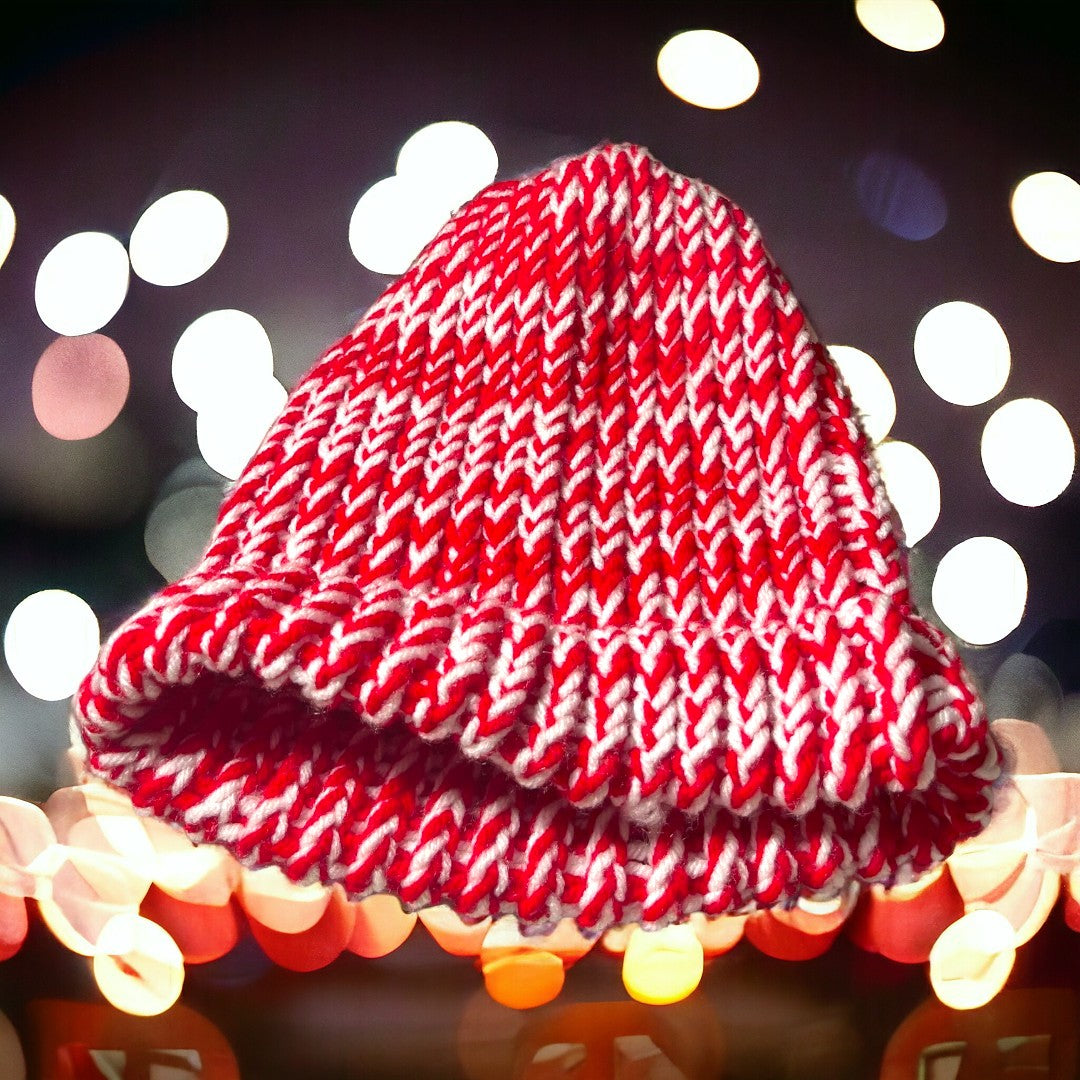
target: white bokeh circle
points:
(7, 228)
(907, 25)
(871, 391)
(911, 482)
(230, 431)
(1045, 209)
(51, 642)
(708, 69)
(980, 590)
(962, 353)
(1028, 451)
(219, 356)
(453, 158)
(178, 237)
(81, 283)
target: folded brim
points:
(461, 752)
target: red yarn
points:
(565, 585)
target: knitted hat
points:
(565, 585)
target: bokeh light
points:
(456, 158)
(230, 431)
(908, 25)
(79, 386)
(219, 356)
(980, 590)
(138, 966)
(962, 353)
(50, 642)
(900, 196)
(393, 221)
(870, 389)
(81, 283)
(972, 960)
(7, 228)
(178, 529)
(1028, 451)
(911, 482)
(1045, 209)
(708, 69)
(178, 237)
(662, 966)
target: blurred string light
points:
(911, 482)
(79, 386)
(7, 228)
(908, 25)
(1046, 212)
(962, 353)
(870, 389)
(50, 643)
(1028, 452)
(178, 529)
(178, 238)
(980, 590)
(900, 196)
(708, 69)
(438, 168)
(223, 368)
(972, 960)
(82, 283)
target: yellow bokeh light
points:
(7, 228)
(81, 283)
(662, 966)
(972, 959)
(980, 590)
(908, 25)
(708, 69)
(453, 158)
(870, 389)
(1045, 209)
(218, 356)
(962, 353)
(1028, 452)
(138, 966)
(911, 482)
(178, 237)
(50, 643)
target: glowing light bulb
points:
(1046, 212)
(50, 643)
(662, 966)
(81, 283)
(908, 25)
(708, 69)
(980, 590)
(1028, 452)
(962, 353)
(871, 391)
(218, 356)
(7, 228)
(178, 238)
(80, 385)
(911, 482)
(453, 158)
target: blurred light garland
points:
(142, 901)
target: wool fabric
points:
(564, 586)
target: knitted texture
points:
(565, 585)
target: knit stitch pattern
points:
(564, 586)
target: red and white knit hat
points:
(565, 585)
